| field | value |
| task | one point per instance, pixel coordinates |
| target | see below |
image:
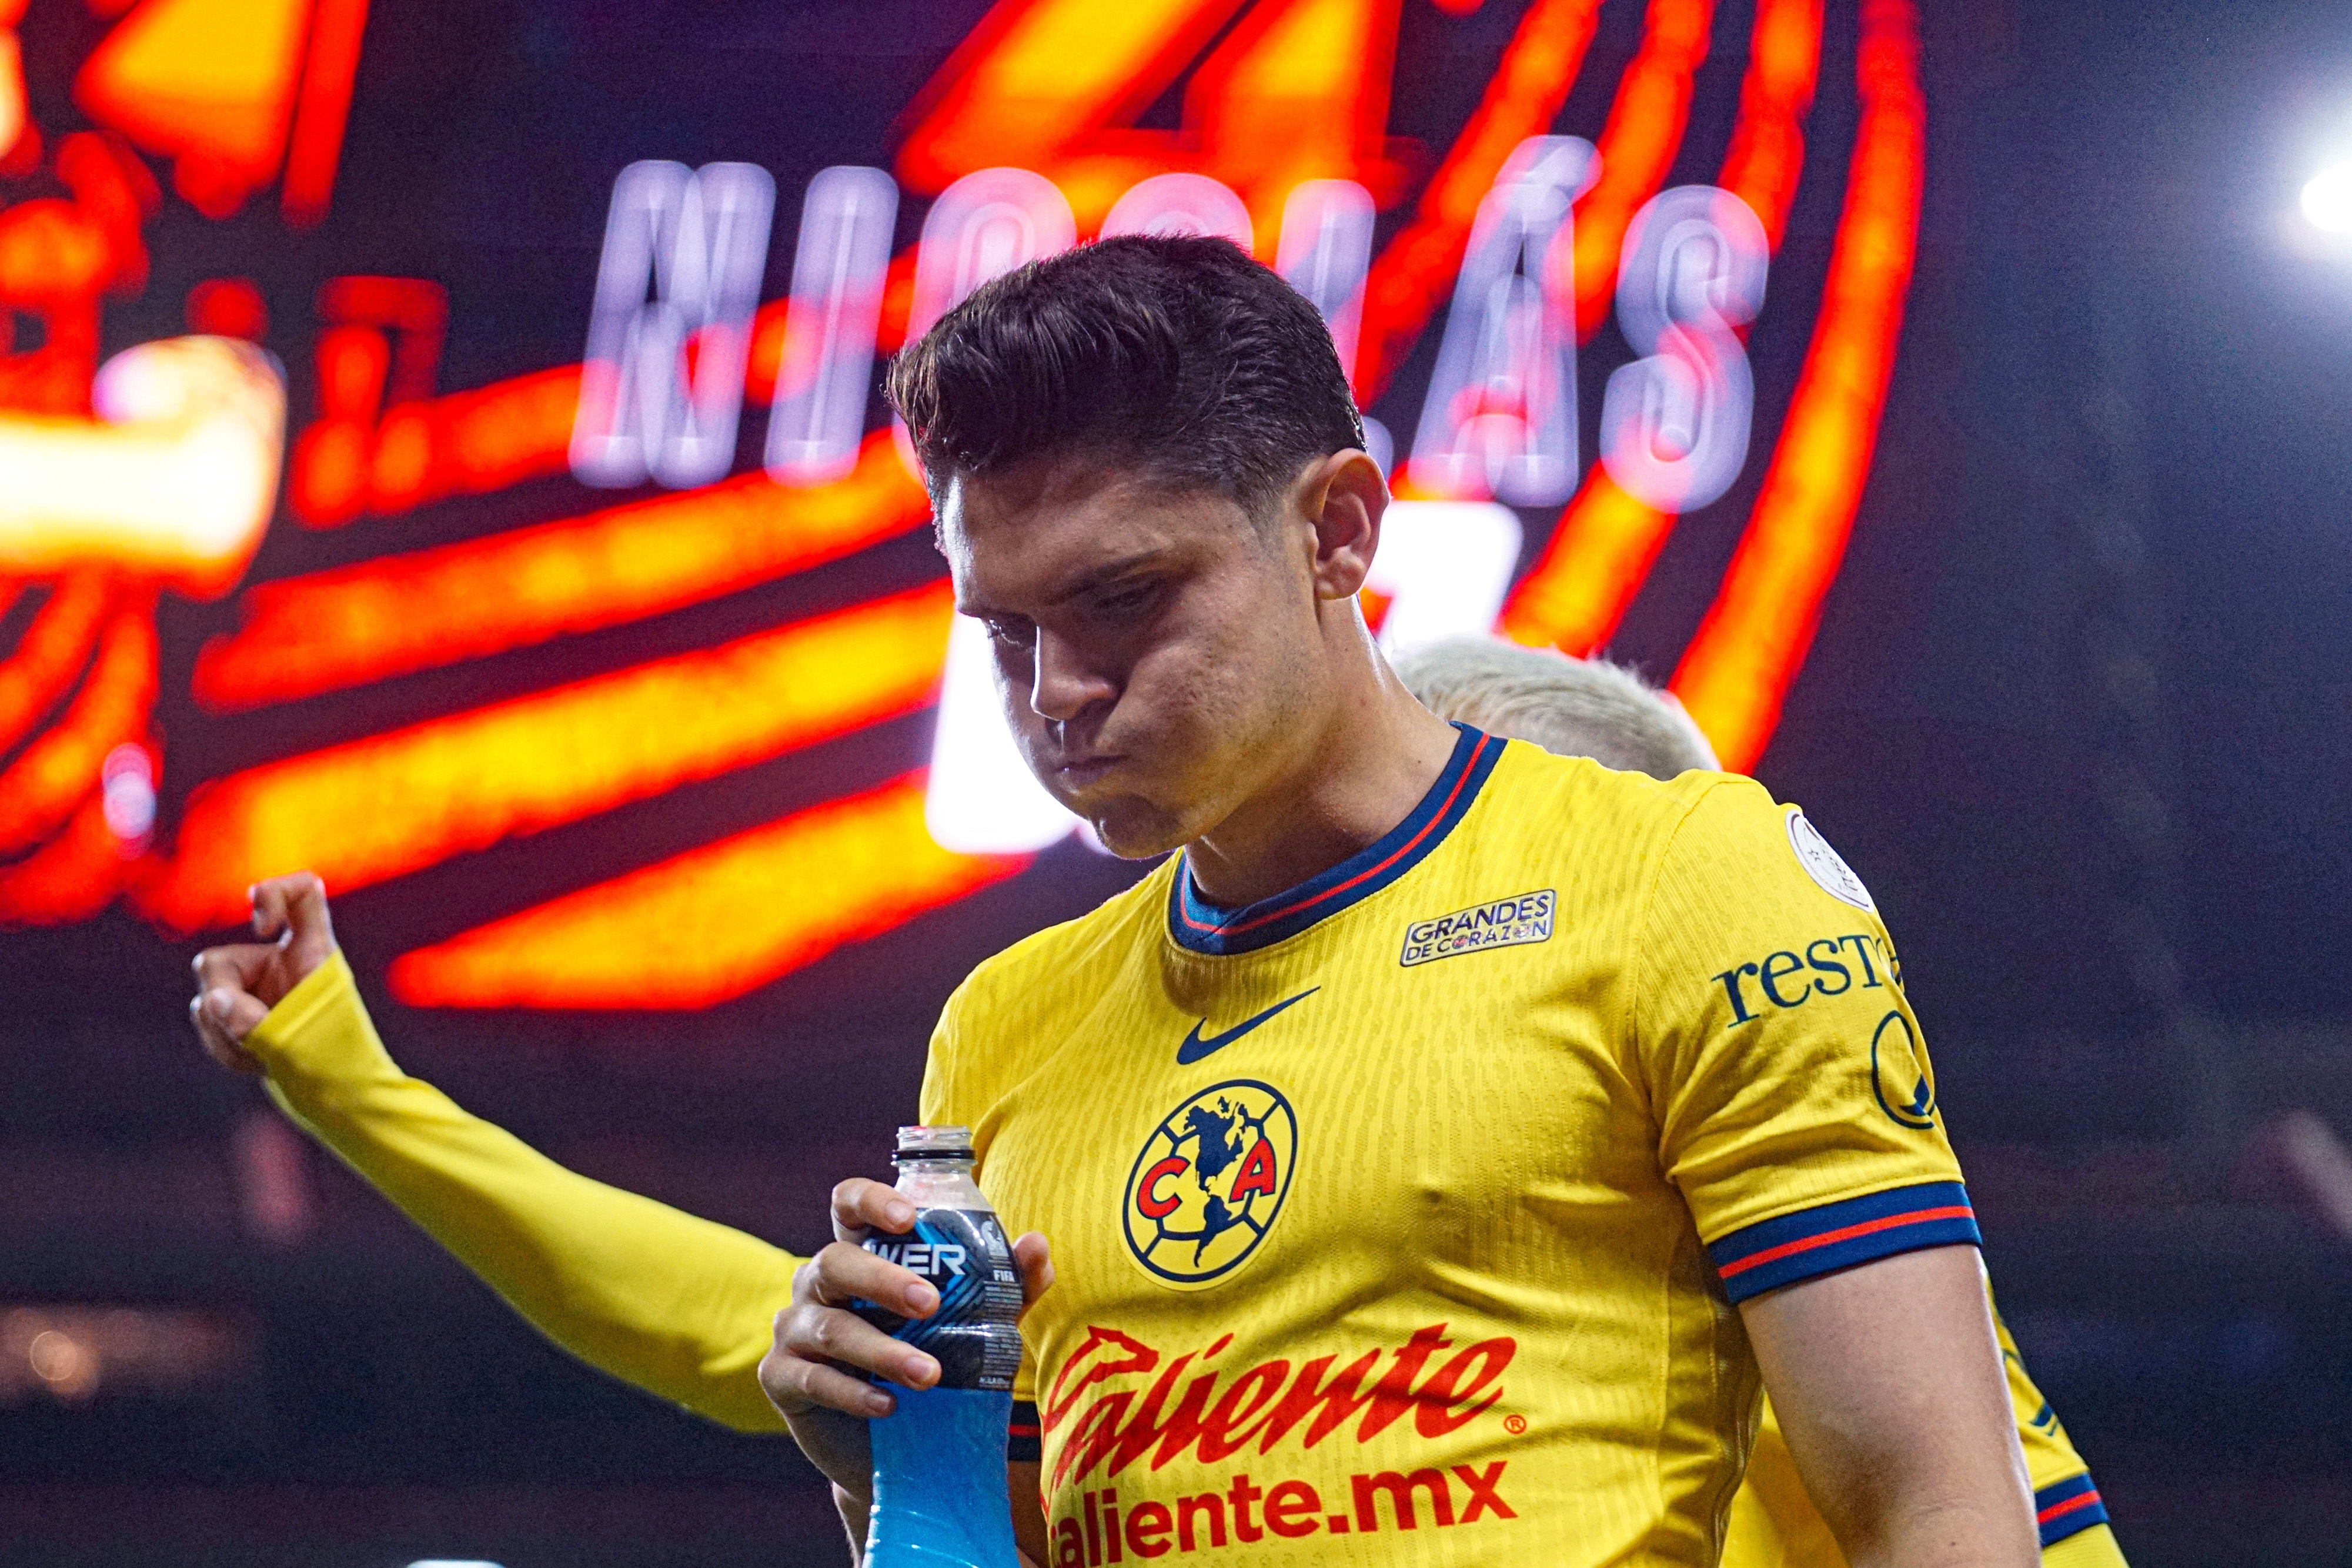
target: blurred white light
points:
(699, 237)
(1444, 567)
(174, 479)
(1326, 246)
(1181, 205)
(451, 1562)
(839, 271)
(982, 799)
(2328, 199)
(982, 227)
(1674, 423)
(1500, 416)
(127, 795)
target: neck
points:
(1361, 770)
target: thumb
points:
(234, 1012)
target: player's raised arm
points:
(678, 1306)
(1799, 1119)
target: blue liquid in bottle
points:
(939, 1481)
(940, 1496)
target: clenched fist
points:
(237, 985)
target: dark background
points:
(2077, 712)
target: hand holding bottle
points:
(823, 1346)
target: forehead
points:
(1042, 530)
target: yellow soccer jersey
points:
(1399, 1218)
(1775, 1525)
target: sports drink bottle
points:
(939, 1459)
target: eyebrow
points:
(1090, 580)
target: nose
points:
(1063, 686)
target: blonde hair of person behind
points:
(1576, 707)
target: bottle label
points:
(975, 1335)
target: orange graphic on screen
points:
(1737, 671)
(1297, 90)
(158, 469)
(221, 100)
(998, 83)
(1605, 542)
(374, 809)
(713, 922)
(400, 613)
(383, 444)
(223, 88)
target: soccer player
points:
(1588, 707)
(1440, 1149)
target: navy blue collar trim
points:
(1203, 927)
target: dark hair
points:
(1176, 353)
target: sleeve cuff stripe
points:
(1022, 1439)
(1834, 1236)
(2068, 1509)
(1844, 1233)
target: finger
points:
(794, 1384)
(226, 982)
(295, 907)
(844, 1272)
(268, 901)
(272, 898)
(1035, 1262)
(238, 966)
(860, 1206)
(217, 1042)
(313, 927)
(233, 1012)
(828, 1334)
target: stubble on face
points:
(1178, 636)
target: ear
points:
(1344, 496)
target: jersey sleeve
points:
(681, 1307)
(1795, 1102)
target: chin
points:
(1135, 830)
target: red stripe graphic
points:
(2057, 1510)
(1827, 1237)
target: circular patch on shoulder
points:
(1898, 1074)
(1822, 864)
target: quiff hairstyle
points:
(1576, 707)
(1173, 355)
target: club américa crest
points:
(1209, 1182)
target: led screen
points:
(467, 477)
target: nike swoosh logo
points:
(1195, 1049)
